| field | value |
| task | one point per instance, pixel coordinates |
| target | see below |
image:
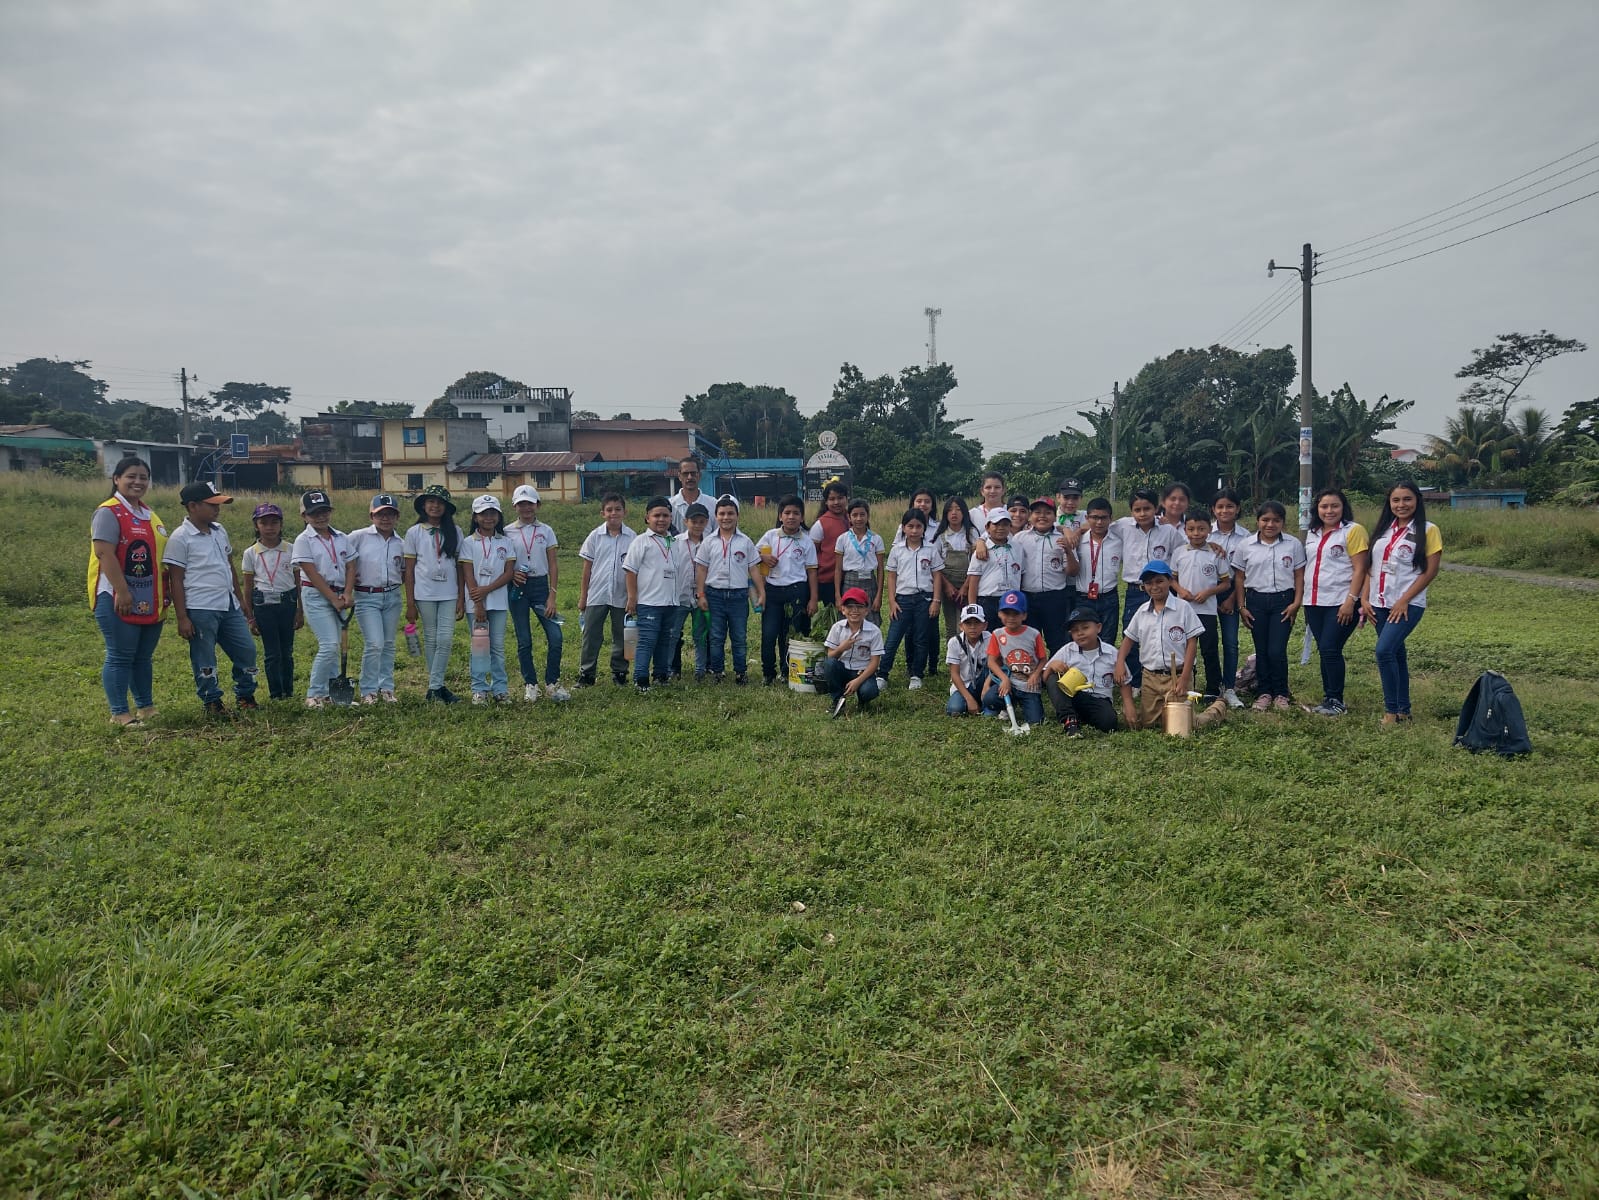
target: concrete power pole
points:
(1307, 391)
(1115, 430)
(183, 378)
(932, 315)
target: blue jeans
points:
(655, 625)
(438, 632)
(129, 657)
(955, 706)
(529, 600)
(488, 669)
(915, 620)
(1393, 666)
(729, 610)
(378, 615)
(1029, 705)
(1227, 626)
(838, 677)
(1271, 635)
(324, 623)
(225, 628)
(1322, 621)
(1133, 599)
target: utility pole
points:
(1307, 391)
(932, 315)
(1115, 422)
(183, 378)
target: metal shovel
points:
(1015, 730)
(340, 690)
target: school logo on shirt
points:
(738, 556)
(1208, 570)
(1336, 552)
(1288, 560)
(1177, 635)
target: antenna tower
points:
(932, 334)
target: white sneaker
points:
(530, 693)
(316, 701)
(388, 697)
(370, 698)
(1232, 699)
(480, 697)
(556, 692)
(915, 684)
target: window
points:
(508, 408)
(478, 479)
(544, 479)
(414, 435)
(413, 483)
(521, 408)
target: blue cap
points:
(1014, 601)
(1156, 566)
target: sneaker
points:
(585, 681)
(718, 677)
(480, 697)
(316, 702)
(741, 680)
(1262, 703)
(619, 678)
(838, 706)
(1282, 703)
(370, 698)
(448, 697)
(699, 676)
(915, 684)
(556, 692)
(643, 689)
(530, 693)
(215, 708)
(769, 681)
(1330, 708)
(1231, 696)
(127, 721)
(247, 704)
(502, 697)
(1070, 727)
(388, 697)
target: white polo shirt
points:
(1198, 569)
(858, 554)
(793, 554)
(1396, 561)
(270, 570)
(914, 568)
(1329, 562)
(1044, 564)
(1098, 562)
(486, 560)
(379, 560)
(1162, 634)
(604, 554)
(1098, 665)
(533, 545)
(206, 558)
(727, 561)
(1001, 571)
(970, 660)
(1269, 566)
(1140, 547)
(434, 576)
(868, 645)
(659, 561)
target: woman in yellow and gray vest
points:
(127, 590)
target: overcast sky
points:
(639, 200)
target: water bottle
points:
(480, 637)
(580, 621)
(413, 644)
(629, 638)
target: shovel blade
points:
(341, 691)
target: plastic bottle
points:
(480, 637)
(629, 638)
(413, 644)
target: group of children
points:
(1027, 589)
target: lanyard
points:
(972, 657)
(333, 551)
(1397, 532)
(484, 546)
(521, 536)
(859, 549)
(665, 545)
(1094, 550)
(271, 572)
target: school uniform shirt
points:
(658, 560)
(859, 555)
(1022, 654)
(1230, 540)
(533, 545)
(1001, 571)
(604, 554)
(1075, 520)
(868, 645)
(1329, 562)
(793, 554)
(1097, 665)
(1162, 634)
(1269, 566)
(914, 568)
(727, 561)
(1140, 547)
(434, 574)
(1044, 562)
(379, 560)
(329, 555)
(681, 504)
(685, 574)
(972, 660)
(206, 559)
(1099, 565)
(980, 514)
(1396, 560)
(927, 533)
(272, 572)
(484, 560)
(1200, 568)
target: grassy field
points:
(707, 942)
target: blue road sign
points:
(240, 446)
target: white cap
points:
(974, 611)
(726, 498)
(525, 492)
(484, 503)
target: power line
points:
(1271, 298)
(1406, 244)
(1467, 200)
(1451, 245)
(1244, 338)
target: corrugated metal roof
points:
(529, 460)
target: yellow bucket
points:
(805, 661)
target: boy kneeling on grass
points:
(1079, 677)
(1016, 652)
(854, 648)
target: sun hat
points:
(433, 491)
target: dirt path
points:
(1560, 581)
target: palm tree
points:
(1471, 442)
(1345, 426)
(1529, 438)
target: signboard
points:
(826, 460)
(239, 446)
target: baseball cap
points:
(526, 492)
(1155, 566)
(854, 596)
(266, 510)
(485, 502)
(727, 498)
(973, 612)
(1018, 499)
(1014, 601)
(1069, 487)
(997, 515)
(695, 510)
(313, 500)
(203, 493)
(383, 500)
(1044, 502)
(1079, 615)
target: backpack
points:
(1491, 718)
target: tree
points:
(372, 408)
(490, 382)
(1528, 439)
(585, 414)
(247, 399)
(1470, 443)
(1580, 420)
(761, 418)
(1498, 372)
(56, 383)
(1345, 426)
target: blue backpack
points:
(1491, 718)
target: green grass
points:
(1554, 541)
(559, 950)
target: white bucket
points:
(805, 661)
